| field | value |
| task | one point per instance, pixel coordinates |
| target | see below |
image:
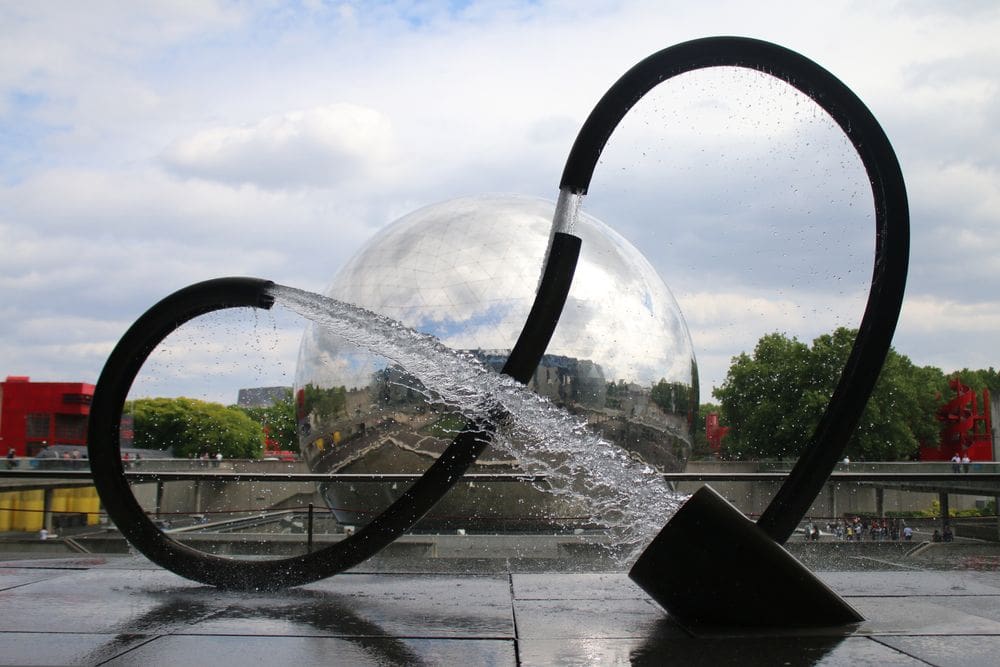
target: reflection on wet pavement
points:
(122, 611)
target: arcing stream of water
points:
(628, 497)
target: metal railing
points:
(218, 475)
(932, 478)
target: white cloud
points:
(109, 219)
(212, 356)
(144, 146)
(323, 146)
(723, 324)
(924, 314)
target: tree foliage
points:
(774, 398)
(672, 397)
(191, 427)
(977, 380)
(279, 419)
(325, 403)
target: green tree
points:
(672, 397)
(977, 380)
(902, 411)
(279, 419)
(191, 427)
(766, 397)
(774, 398)
(325, 403)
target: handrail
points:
(176, 476)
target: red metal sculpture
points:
(714, 433)
(966, 428)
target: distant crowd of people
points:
(943, 536)
(873, 530)
(863, 528)
(214, 459)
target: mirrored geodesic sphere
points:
(466, 271)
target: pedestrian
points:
(908, 534)
(11, 458)
(966, 462)
(956, 463)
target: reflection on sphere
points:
(466, 271)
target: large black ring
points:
(892, 231)
(131, 352)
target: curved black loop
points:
(105, 459)
(779, 520)
(125, 361)
(892, 235)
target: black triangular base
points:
(711, 566)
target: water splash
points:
(630, 498)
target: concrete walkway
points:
(125, 611)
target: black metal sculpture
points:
(689, 543)
(687, 569)
(131, 352)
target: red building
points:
(34, 415)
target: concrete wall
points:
(183, 498)
(836, 499)
(177, 500)
(995, 419)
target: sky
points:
(147, 146)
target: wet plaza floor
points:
(125, 611)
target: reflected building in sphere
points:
(466, 271)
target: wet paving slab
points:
(957, 651)
(920, 616)
(921, 582)
(12, 578)
(687, 651)
(583, 586)
(65, 648)
(128, 612)
(241, 651)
